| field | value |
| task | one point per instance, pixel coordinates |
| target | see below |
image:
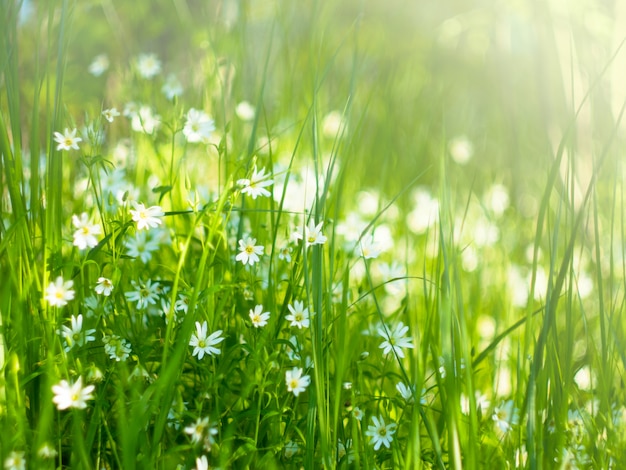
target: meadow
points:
(341, 234)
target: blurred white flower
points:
(110, 114)
(172, 87)
(86, 233)
(198, 127)
(148, 66)
(461, 149)
(245, 111)
(506, 415)
(99, 65)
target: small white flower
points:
(205, 345)
(99, 65)
(144, 294)
(506, 416)
(369, 249)
(380, 433)
(291, 449)
(75, 335)
(198, 127)
(86, 233)
(406, 392)
(59, 292)
(245, 111)
(357, 413)
(196, 430)
(296, 382)
(46, 451)
(117, 348)
(15, 461)
(146, 218)
(312, 234)
(249, 253)
(110, 114)
(285, 253)
(299, 316)
(258, 317)
(202, 463)
(172, 87)
(255, 186)
(74, 395)
(148, 66)
(461, 149)
(395, 340)
(104, 286)
(68, 140)
(142, 118)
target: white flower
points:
(67, 140)
(332, 124)
(245, 111)
(86, 233)
(99, 65)
(104, 286)
(255, 186)
(357, 413)
(146, 218)
(110, 114)
(15, 461)
(142, 118)
(75, 335)
(249, 252)
(406, 392)
(202, 463)
(395, 340)
(142, 245)
(144, 294)
(196, 430)
(461, 149)
(172, 87)
(205, 345)
(296, 382)
(74, 395)
(46, 451)
(198, 127)
(312, 234)
(60, 292)
(299, 315)
(148, 66)
(117, 348)
(258, 317)
(369, 249)
(380, 433)
(506, 415)
(285, 253)
(291, 449)
(182, 303)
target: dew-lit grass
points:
(316, 235)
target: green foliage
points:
(325, 234)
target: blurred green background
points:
(506, 74)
